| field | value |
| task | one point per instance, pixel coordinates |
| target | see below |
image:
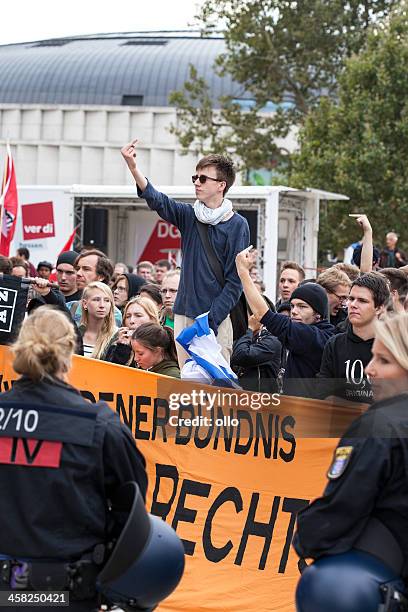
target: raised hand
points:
(245, 259)
(128, 153)
(363, 222)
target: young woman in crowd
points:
(125, 287)
(97, 325)
(359, 527)
(154, 349)
(137, 311)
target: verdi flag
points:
(9, 205)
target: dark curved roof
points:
(111, 69)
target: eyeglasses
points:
(342, 298)
(203, 177)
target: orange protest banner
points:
(228, 470)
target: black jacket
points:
(338, 319)
(120, 353)
(256, 359)
(341, 374)
(369, 478)
(61, 460)
(305, 344)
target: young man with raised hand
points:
(304, 334)
(228, 233)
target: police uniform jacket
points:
(368, 478)
(61, 459)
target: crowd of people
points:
(326, 325)
(341, 334)
(315, 341)
(119, 316)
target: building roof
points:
(136, 69)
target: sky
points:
(28, 20)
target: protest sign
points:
(228, 472)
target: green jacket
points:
(166, 367)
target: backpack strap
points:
(239, 313)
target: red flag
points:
(70, 241)
(9, 205)
(66, 247)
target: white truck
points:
(284, 223)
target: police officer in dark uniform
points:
(357, 532)
(62, 459)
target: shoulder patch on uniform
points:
(341, 459)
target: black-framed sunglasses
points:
(203, 177)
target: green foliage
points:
(247, 136)
(358, 144)
(280, 51)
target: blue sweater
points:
(199, 291)
(305, 344)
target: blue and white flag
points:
(201, 344)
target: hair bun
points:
(45, 344)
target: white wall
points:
(81, 144)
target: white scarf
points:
(212, 216)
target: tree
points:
(358, 144)
(280, 51)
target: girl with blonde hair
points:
(97, 325)
(137, 311)
(388, 368)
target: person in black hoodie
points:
(256, 357)
(347, 354)
(304, 333)
(125, 287)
